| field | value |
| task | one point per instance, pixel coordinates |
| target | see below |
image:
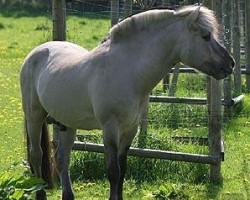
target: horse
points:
(107, 87)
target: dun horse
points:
(106, 88)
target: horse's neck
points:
(151, 57)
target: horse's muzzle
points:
(228, 68)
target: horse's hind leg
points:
(65, 141)
(34, 125)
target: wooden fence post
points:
(236, 48)
(247, 48)
(227, 30)
(166, 79)
(214, 123)
(214, 109)
(114, 14)
(127, 8)
(59, 19)
(175, 76)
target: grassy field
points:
(146, 179)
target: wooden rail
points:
(198, 101)
(187, 69)
(152, 153)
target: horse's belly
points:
(71, 110)
(66, 101)
(83, 123)
(77, 118)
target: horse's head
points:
(200, 46)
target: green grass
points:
(146, 178)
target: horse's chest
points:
(126, 110)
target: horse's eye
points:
(206, 37)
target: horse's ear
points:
(192, 17)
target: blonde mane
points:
(206, 21)
(137, 23)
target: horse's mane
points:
(137, 23)
(129, 26)
(206, 20)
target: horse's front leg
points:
(110, 140)
(124, 145)
(65, 142)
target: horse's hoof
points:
(41, 195)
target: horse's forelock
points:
(206, 19)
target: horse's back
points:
(39, 57)
(54, 54)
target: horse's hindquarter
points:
(63, 89)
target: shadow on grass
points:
(213, 190)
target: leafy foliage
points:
(15, 186)
(170, 191)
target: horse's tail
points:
(47, 164)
